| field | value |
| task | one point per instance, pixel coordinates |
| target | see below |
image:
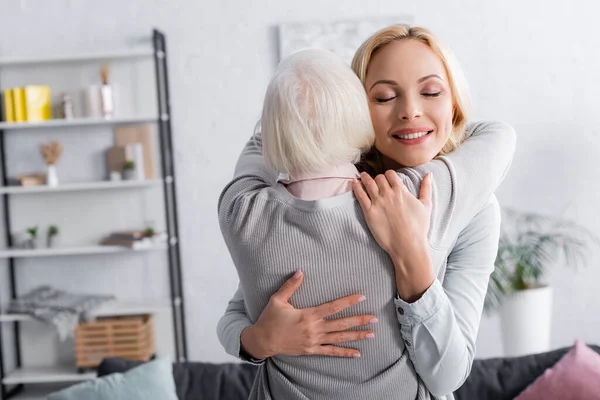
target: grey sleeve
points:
(251, 176)
(440, 329)
(231, 325)
(465, 179)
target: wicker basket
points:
(128, 337)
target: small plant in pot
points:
(529, 244)
(32, 241)
(52, 239)
(129, 170)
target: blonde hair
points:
(461, 99)
(315, 114)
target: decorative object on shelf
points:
(31, 179)
(63, 310)
(95, 340)
(129, 172)
(93, 101)
(38, 103)
(9, 106)
(529, 244)
(52, 237)
(51, 153)
(66, 106)
(131, 135)
(33, 240)
(106, 94)
(20, 105)
(135, 239)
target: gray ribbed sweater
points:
(270, 234)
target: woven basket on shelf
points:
(128, 337)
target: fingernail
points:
(373, 321)
(361, 298)
(297, 274)
(356, 355)
(370, 335)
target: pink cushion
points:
(576, 376)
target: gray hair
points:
(315, 114)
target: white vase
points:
(526, 318)
(51, 176)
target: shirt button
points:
(408, 343)
(400, 311)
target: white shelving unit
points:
(74, 58)
(12, 381)
(75, 122)
(46, 375)
(116, 307)
(81, 186)
(75, 251)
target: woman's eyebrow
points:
(432, 76)
(386, 81)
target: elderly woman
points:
(312, 124)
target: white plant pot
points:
(51, 176)
(525, 318)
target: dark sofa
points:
(491, 379)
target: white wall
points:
(533, 64)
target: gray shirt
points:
(432, 348)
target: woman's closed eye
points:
(384, 99)
(432, 94)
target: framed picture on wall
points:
(341, 37)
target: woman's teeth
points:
(415, 135)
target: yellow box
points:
(9, 106)
(38, 103)
(19, 103)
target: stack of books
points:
(135, 239)
(31, 103)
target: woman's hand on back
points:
(400, 222)
(282, 329)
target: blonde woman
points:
(422, 328)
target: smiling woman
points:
(424, 102)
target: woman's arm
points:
(283, 329)
(440, 329)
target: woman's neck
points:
(388, 163)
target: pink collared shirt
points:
(327, 183)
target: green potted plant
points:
(52, 238)
(129, 170)
(32, 232)
(529, 245)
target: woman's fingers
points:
(394, 180)
(361, 195)
(289, 287)
(342, 324)
(334, 307)
(426, 190)
(370, 185)
(349, 336)
(335, 351)
(382, 184)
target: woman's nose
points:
(409, 110)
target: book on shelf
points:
(31, 103)
(134, 239)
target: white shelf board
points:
(82, 57)
(80, 186)
(75, 251)
(111, 308)
(46, 375)
(65, 123)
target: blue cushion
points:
(149, 381)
